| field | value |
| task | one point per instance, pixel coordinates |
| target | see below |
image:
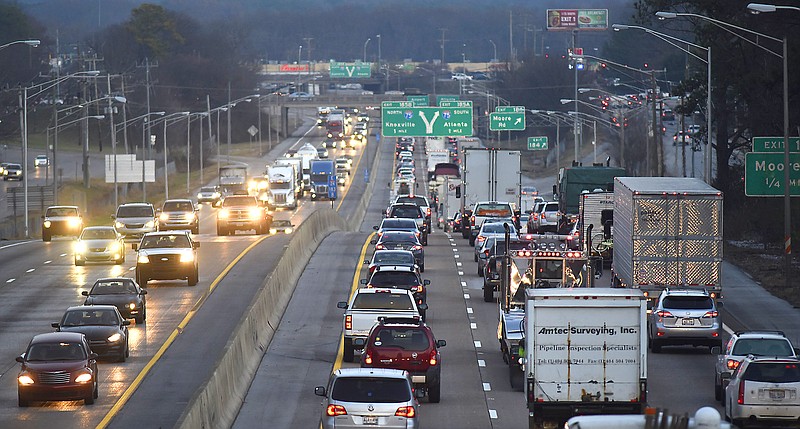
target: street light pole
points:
(365, 49)
(494, 58)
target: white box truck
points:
(667, 233)
(282, 186)
(585, 353)
(488, 175)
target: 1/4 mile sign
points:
(763, 174)
(426, 121)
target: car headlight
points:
(74, 222)
(187, 257)
(223, 214)
(255, 212)
(80, 247)
(150, 224)
(113, 247)
(199, 196)
(273, 231)
(85, 377)
(189, 216)
(164, 217)
(289, 230)
(119, 225)
(47, 224)
(143, 259)
(114, 338)
(25, 379)
(132, 306)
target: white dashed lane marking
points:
(10, 280)
(473, 326)
(131, 268)
(481, 363)
(63, 254)
(455, 250)
(487, 387)
(469, 310)
(458, 264)
(460, 273)
(477, 344)
(466, 296)
(464, 284)
(456, 256)
(492, 414)
(47, 262)
(30, 270)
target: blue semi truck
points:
(322, 170)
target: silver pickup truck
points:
(366, 306)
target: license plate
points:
(687, 322)
(778, 395)
(370, 420)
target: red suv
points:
(406, 344)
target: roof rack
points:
(760, 332)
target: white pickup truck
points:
(366, 306)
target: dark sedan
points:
(103, 326)
(57, 366)
(402, 240)
(391, 257)
(121, 292)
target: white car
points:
(41, 161)
(460, 76)
(764, 389)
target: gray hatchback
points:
(682, 316)
(371, 397)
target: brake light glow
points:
(433, 361)
(379, 247)
(336, 410)
(420, 289)
(740, 399)
(407, 411)
(732, 364)
(368, 359)
(416, 247)
(664, 313)
(711, 314)
(348, 322)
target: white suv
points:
(764, 389)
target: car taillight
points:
(379, 247)
(711, 314)
(535, 216)
(368, 359)
(429, 211)
(486, 252)
(420, 288)
(472, 220)
(740, 399)
(416, 247)
(433, 361)
(481, 239)
(407, 411)
(348, 322)
(732, 364)
(336, 410)
(664, 313)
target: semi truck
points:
(436, 157)
(336, 125)
(232, 178)
(573, 181)
(297, 163)
(321, 172)
(597, 212)
(585, 353)
(283, 186)
(306, 153)
(488, 175)
(667, 232)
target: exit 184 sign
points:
(537, 143)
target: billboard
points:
(294, 68)
(577, 19)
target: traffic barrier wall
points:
(217, 402)
(355, 221)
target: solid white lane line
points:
(487, 387)
(473, 326)
(10, 280)
(63, 254)
(481, 363)
(477, 344)
(469, 310)
(17, 244)
(464, 284)
(30, 270)
(47, 262)
(492, 414)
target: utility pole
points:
(146, 141)
(511, 40)
(442, 41)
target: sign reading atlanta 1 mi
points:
(426, 122)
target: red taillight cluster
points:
(434, 359)
(416, 247)
(664, 313)
(336, 410)
(348, 322)
(407, 411)
(368, 359)
(379, 247)
(732, 364)
(710, 314)
(740, 399)
(420, 288)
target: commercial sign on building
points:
(577, 19)
(294, 68)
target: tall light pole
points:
(494, 58)
(671, 40)
(32, 43)
(787, 206)
(365, 49)
(168, 120)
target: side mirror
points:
(135, 246)
(55, 325)
(143, 292)
(85, 293)
(441, 343)
(320, 391)
(796, 350)
(423, 307)
(426, 282)
(359, 342)
(373, 242)
(126, 322)
(375, 227)
(341, 304)
(20, 359)
(716, 350)
(363, 281)
(93, 356)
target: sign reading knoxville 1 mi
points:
(426, 122)
(764, 167)
(350, 70)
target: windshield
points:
(394, 257)
(162, 241)
(762, 347)
(282, 223)
(688, 302)
(90, 317)
(113, 287)
(281, 185)
(178, 206)
(407, 212)
(398, 237)
(392, 278)
(549, 269)
(493, 210)
(319, 177)
(235, 201)
(420, 201)
(208, 190)
(398, 223)
(62, 211)
(773, 372)
(497, 228)
(371, 389)
(135, 211)
(99, 234)
(402, 338)
(382, 301)
(44, 352)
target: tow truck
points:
(547, 264)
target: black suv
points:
(166, 256)
(410, 211)
(400, 277)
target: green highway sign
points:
(441, 98)
(506, 121)
(418, 100)
(537, 143)
(775, 144)
(455, 103)
(509, 109)
(350, 70)
(426, 121)
(763, 174)
(385, 104)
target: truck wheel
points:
(718, 392)
(193, 278)
(141, 279)
(480, 271)
(516, 378)
(488, 292)
(435, 392)
(79, 262)
(348, 354)
(472, 242)
(655, 346)
(46, 236)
